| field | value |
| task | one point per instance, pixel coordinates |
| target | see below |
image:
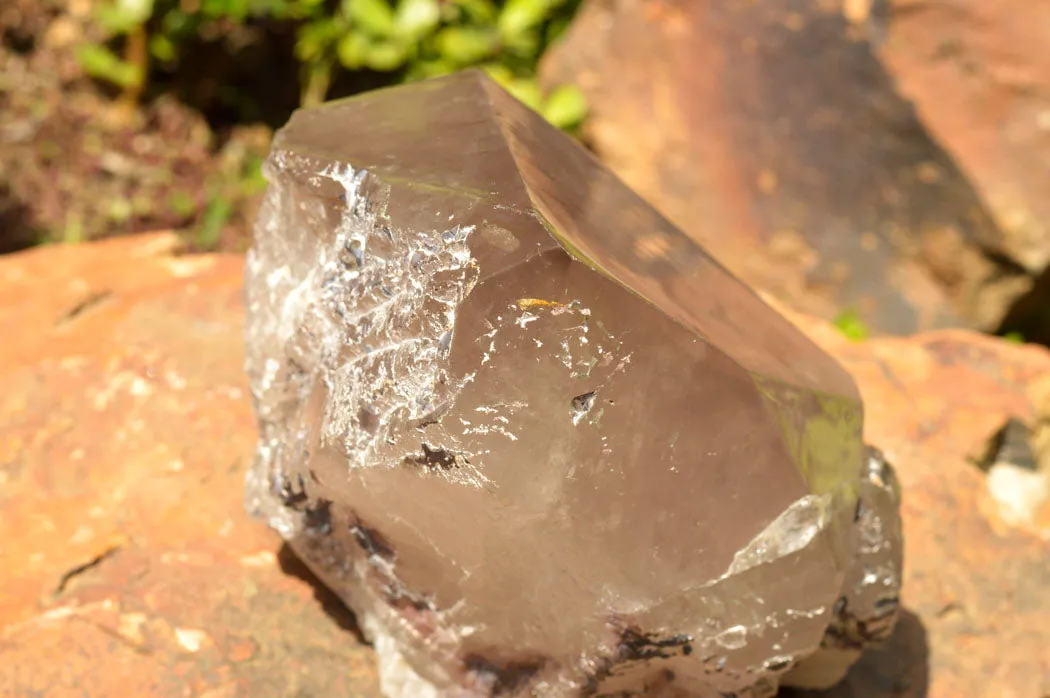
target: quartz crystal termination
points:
(536, 437)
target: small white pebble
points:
(1019, 492)
(191, 639)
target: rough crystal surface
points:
(538, 439)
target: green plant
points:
(851, 326)
(216, 214)
(126, 18)
(228, 190)
(405, 40)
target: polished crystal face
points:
(535, 436)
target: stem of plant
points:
(318, 79)
(136, 53)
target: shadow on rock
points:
(330, 602)
(897, 669)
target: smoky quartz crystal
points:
(535, 436)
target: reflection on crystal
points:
(535, 436)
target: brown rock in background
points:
(978, 72)
(131, 569)
(773, 134)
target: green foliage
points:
(566, 107)
(216, 214)
(850, 324)
(405, 40)
(1014, 338)
(124, 16)
(228, 189)
(182, 204)
(99, 62)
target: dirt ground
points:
(77, 163)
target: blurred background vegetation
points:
(340, 47)
(880, 185)
(150, 114)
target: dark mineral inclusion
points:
(536, 437)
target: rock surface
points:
(193, 599)
(125, 431)
(533, 434)
(794, 157)
(977, 586)
(979, 75)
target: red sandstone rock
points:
(192, 599)
(129, 567)
(979, 589)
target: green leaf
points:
(467, 45)
(385, 56)
(417, 18)
(353, 50)
(140, 10)
(478, 11)
(525, 45)
(422, 70)
(162, 48)
(557, 27)
(1014, 338)
(566, 107)
(519, 16)
(235, 10)
(215, 217)
(254, 178)
(101, 63)
(374, 16)
(851, 326)
(500, 73)
(121, 16)
(315, 39)
(527, 91)
(177, 23)
(290, 9)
